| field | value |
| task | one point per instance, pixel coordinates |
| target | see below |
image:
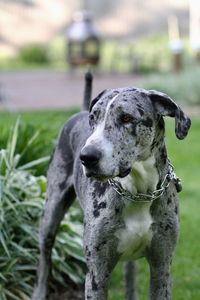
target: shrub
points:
(183, 87)
(21, 204)
(34, 140)
(34, 54)
(147, 55)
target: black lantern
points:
(83, 41)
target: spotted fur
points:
(122, 137)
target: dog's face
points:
(124, 124)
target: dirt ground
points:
(70, 294)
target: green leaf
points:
(3, 243)
(11, 295)
(22, 251)
(13, 142)
(34, 163)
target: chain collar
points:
(148, 198)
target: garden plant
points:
(22, 195)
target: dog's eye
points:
(126, 118)
(91, 120)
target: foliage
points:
(153, 54)
(145, 55)
(21, 204)
(57, 53)
(183, 87)
(37, 54)
(37, 134)
(29, 145)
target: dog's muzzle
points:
(90, 157)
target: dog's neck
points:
(145, 175)
(143, 178)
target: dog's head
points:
(125, 123)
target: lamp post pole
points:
(85, 5)
(175, 43)
(195, 27)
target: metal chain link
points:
(145, 198)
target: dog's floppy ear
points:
(165, 106)
(95, 100)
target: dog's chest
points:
(136, 234)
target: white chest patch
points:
(137, 233)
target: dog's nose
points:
(90, 156)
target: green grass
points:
(186, 268)
(46, 119)
(185, 156)
(49, 123)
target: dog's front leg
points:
(100, 246)
(95, 288)
(160, 257)
(160, 282)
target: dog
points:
(113, 158)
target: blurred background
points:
(45, 49)
(49, 45)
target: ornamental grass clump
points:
(22, 197)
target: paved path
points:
(34, 90)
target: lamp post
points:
(83, 41)
(175, 43)
(195, 28)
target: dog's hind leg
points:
(60, 195)
(130, 280)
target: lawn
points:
(185, 157)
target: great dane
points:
(114, 159)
